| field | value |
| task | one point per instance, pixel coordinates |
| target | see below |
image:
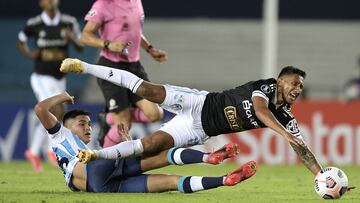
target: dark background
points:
(289, 9)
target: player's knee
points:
(148, 145)
(154, 144)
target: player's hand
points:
(67, 98)
(158, 55)
(123, 132)
(117, 46)
(69, 35)
(294, 140)
(85, 156)
(351, 188)
(33, 54)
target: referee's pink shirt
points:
(119, 20)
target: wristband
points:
(106, 44)
(149, 47)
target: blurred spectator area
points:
(211, 45)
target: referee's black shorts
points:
(119, 98)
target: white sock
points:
(38, 139)
(121, 150)
(116, 76)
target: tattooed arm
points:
(307, 157)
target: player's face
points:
(290, 88)
(81, 126)
(49, 4)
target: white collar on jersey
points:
(48, 21)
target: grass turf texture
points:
(18, 183)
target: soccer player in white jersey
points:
(126, 175)
(200, 114)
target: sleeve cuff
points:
(22, 36)
(260, 94)
(54, 129)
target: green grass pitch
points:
(18, 183)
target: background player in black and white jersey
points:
(200, 114)
(52, 32)
(126, 175)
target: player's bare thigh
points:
(79, 176)
(153, 92)
(156, 142)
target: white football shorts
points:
(45, 86)
(185, 128)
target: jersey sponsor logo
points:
(50, 42)
(231, 117)
(53, 54)
(265, 88)
(292, 127)
(247, 108)
(91, 13)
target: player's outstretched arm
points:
(42, 109)
(267, 117)
(307, 158)
(157, 54)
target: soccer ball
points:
(331, 183)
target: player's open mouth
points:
(88, 134)
(293, 96)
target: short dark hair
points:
(73, 114)
(288, 70)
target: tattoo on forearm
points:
(306, 156)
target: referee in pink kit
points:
(119, 24)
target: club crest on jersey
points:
(265, 88)
(292, 127)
